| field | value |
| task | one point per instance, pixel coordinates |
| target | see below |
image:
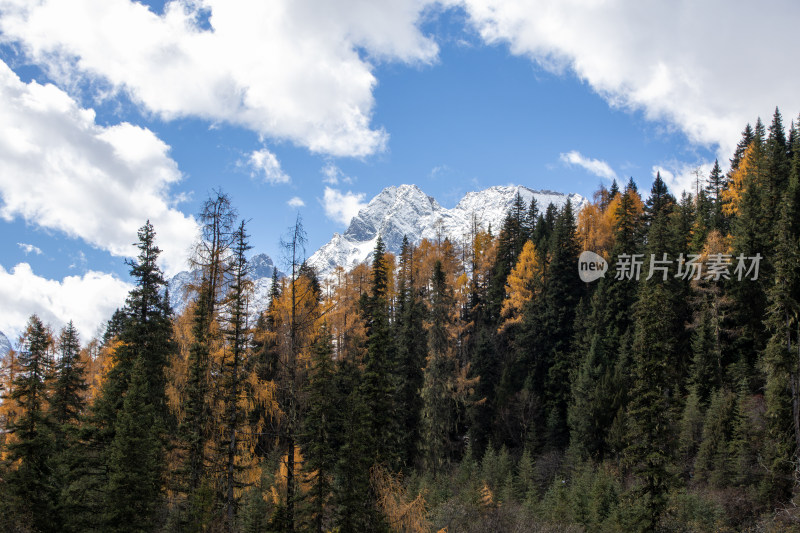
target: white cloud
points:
(87, 300)
(60, 170)
(334, 175)
(331, 173)
(296, 202)
(683, 177)
(29, 248)
(342, 207)
(595, 166)
(300, 71)
(439, 170)
(264, 162)
(685, 62)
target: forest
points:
(472, 386)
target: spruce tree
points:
(145, 342)
(438, 411)
(135, 460)
(781, 359)
(30, 481)
(411, 352)
(562, 293)
(379, 383)
(233, 375)
(320, 434)
(67, 405)
(69, 385)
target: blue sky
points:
(324, 104)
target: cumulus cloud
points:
(300, 71)
(265, 163)
(296, 202)
(29, 248)
(87, 300)
(683, 62)
(60, 170)
(342, 207)
(595, 166)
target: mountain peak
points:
(405, 210)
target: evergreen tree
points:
(562, 293)
(353, 499)
(657, 348)
(714, 459)
(233, 372)
(741, 147)
(438, 412)
(411, 353)
(66, 408)
(319, 437)
(145, 341)
(135, 460)
(379, 384)
(509, 245)
(69, 385)
(781, 359)
(30, 450)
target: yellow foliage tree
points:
(521, 285)
(749, 169)
(404, 515)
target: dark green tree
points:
(378, 385)
(30, 481)
(411, 352)
(67, 408)
(319, 438)
(135, 460)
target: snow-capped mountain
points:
(5, 345)
(261, 268)
(407, 210)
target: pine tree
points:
(510, 242)
(378, 385)
(657, 377)
(717, 183)
(714, 459)
(233, 372)
(145, 341)
(411, 353)
(67, 395)
(781, 358)
(438, 416)
(319, 436)
(561, 296)
(353, 498)
(66, 408)
(741, 147)
(135, 460)
(30, 450)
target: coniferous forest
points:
(474, 386)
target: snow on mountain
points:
(407, 210)
(5, 345)
(261, 268)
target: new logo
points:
(591, 266)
